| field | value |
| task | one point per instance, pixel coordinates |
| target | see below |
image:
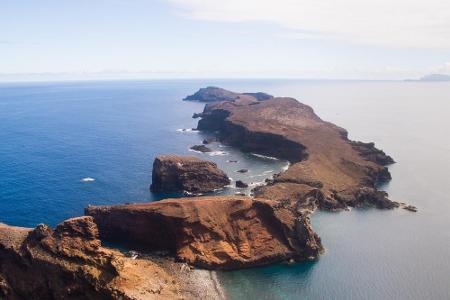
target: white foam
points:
(218, 153)
(196, 151)
(253, 184)
(286, 167)
(267, 172)
(87, 179)
(264, 156)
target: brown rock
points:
(226, 232)
(186, 173)
(322, 157)
(70, 263)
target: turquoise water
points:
(52, 135)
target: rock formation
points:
(215, 94)
(241, 184)
(70, 263)
(186, 173)
(221, 232)
(201, 148)
(344, 173)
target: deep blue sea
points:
(69, 144)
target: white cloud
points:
(441, 69)
(391, 23)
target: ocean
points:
(65, 145)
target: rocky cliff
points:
(344, 173)
(220, 232)
(70, 263)
(173, 173)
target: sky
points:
(307, 39)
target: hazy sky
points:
(362, 39)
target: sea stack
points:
(172, 173)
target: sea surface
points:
(66, 145)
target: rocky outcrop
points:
(173, 173)
(70, 263)
(201, 148)
(322, 157)
(221, 232)
(369, 152)
(215, 94)
(241, 184)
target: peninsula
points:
(327, 171)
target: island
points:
(433, 78)
(327, 171)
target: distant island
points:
(432, 77)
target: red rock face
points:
(173, 173)
(227, 232)
(70, 263)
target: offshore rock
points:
(173, 173)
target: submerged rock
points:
(410, 208)
(242, 171)
(173, 173)
(220, 232)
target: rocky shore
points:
(327, 171)
(70, 262)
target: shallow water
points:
(54, 135)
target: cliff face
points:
(344, 172)
(70, 263)
(226, 232)
(186, 173)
